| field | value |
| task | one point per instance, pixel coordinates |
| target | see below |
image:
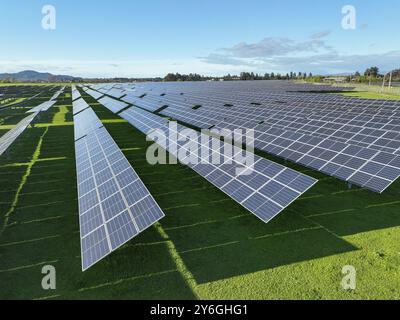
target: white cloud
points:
(270, 47)
(269, 55)
(112, 68)
(321, 34)
(313, 55)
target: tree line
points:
(370, 74)
(242, 76)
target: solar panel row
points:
(57, 94)
(8, 138)
(114, 204)
(75, 93)
(42, 107)
(265, 189)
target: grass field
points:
(207, 247)
(372, 95)
(371, 92)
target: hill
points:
(34, 76)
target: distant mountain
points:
(34, 76)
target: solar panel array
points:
(114, 204)
(351, 139)
(8, 138)
(265, 189)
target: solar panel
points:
(8, 138)
(130, 98)
(116, 93)
(79, 105)
(265, 190)
(150, 102)
(94, 94)
(75, 93)
(112, 104)
(57, 94)
(42, 107)
(114, 204)
(85, 122)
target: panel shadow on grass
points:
(255, 255)
(354, 211)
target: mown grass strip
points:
(29, 266)
(9, 244)
(120, 281)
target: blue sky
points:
(137, 38)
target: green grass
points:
(371, 95)
(207, 246)
(370, 92)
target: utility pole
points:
(383, 83)
(390, 79)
